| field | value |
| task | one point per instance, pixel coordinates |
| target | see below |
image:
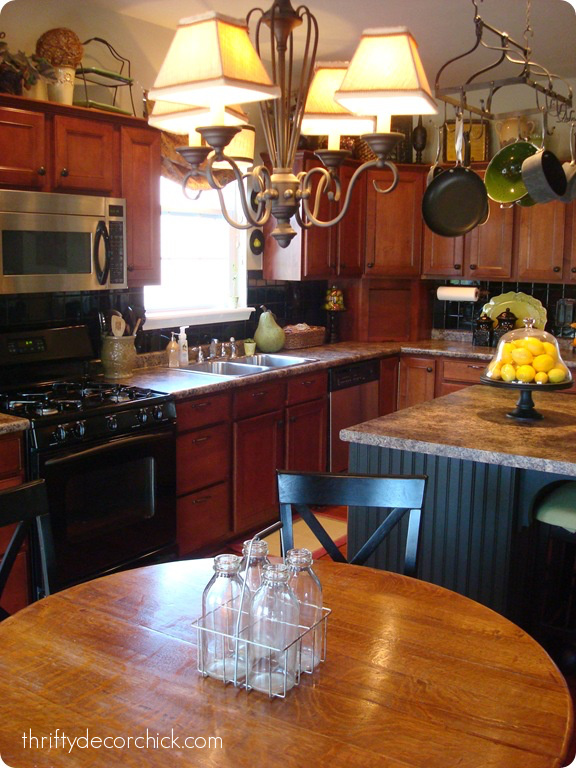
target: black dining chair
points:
(394, 495)
(26, 507)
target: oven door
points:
(112, 505)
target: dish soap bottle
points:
(173, 352)
(183, 346)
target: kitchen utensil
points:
(455, 201)
(570, 171)
(136, 326)
(435, 170)
(544, 177)
(117, 325)
(503, 178)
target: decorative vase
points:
(62, 91)
(118, 356)
(38, 91)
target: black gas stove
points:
(75, 408)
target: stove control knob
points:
(158, 413)
(79, 429)
(111, 423)
(60, 433)
(142, 416)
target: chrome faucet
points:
(200, 355)
(213, 348)
(233, 350)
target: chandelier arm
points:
(251, 221)
(357, 173)
(306, 75)
(191, 175)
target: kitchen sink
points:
(226, 368)
(276, 361)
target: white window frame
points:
(232, 309)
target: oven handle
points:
(116, 445)
(102, 234)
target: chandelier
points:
(212, 66)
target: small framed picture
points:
(478, 132)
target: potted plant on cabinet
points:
(20, 73)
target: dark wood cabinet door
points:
(85, 156)
(488, 248)
(416, 381)
(141, 159)
(570, 268)
(319, 243)
(442, 256)
(23, 161)
(393, 224)
(306, 432)
(258, 453)
(350, 232)
(204, 518)
(540, 242)
(388, 397)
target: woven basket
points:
(307, 338)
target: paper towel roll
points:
(457, 293)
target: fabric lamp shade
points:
(386, 78)
(323, 116)
(212, 62)
(184, 118)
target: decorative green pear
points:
(269, 337)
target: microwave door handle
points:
(102, 234)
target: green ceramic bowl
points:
(503, 177)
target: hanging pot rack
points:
(548, 99)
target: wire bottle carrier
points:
(243, 668)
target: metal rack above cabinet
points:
(106, 78)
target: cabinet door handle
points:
(200, 405)
(259, 394)
(573, 269)
(201, 500)
(473, 266)
(481, 367)
(64, 172)
(429, 369)
(200, 439)
(556, 269)
(41, 171)
(457, 266)
(370, 264)
(307, 383)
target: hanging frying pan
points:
(455, 202)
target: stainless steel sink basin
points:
(226, 368)
(276, 361)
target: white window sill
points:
(178, 318)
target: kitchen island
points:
(486, 473)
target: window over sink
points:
(203, 261)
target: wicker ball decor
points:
(61, 47)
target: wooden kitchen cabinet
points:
(17, 593)
(306, 423)
(416, 383)
(394, 224)
(141, 160)
(203, 504)
(322, 252)
(485, 253)
(453, 374)
(51, 147)
(258, 448)
(539, 239)
(388, 392)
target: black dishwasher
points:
(354, 390)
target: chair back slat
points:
(396, 495)
(26, 506)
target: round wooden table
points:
(415, 675)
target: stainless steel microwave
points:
(52, 242)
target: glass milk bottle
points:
(254, 558)
(308, 591)
(222, 655)
(273, 651)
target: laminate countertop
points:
(472, 424)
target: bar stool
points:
(555, 573)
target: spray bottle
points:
(173, 352)
(183, 346)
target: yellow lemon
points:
(543, 363)
(541, 378)
(550, 349)
(556, 375)
(522, 356)
(507, 347)
(508, 372)
(525, 373)
(506, 356)
(534, 345)
(495, 369)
